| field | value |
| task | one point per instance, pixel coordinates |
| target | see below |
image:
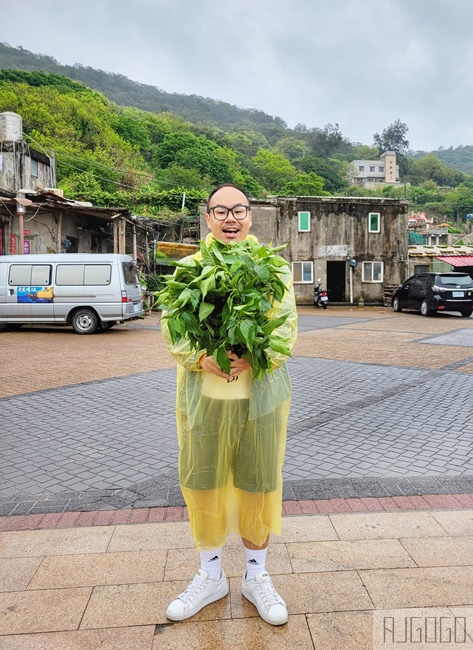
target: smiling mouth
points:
(231, 229)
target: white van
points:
(88, 291)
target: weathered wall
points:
(16, 168)
(339, 231)
(47, 233)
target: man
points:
(232, 437)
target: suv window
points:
(453, 280)
(419, 281)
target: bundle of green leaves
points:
(223, 301)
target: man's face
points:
(230, 229)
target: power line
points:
(108, 180)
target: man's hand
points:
(237, 366)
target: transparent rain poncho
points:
(232, 439)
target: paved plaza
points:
(356, 428)
(378, 494)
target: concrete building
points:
(354, 245)
(372, 173)
(22, 166)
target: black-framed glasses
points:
(239, 211)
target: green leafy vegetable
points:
(221, 302)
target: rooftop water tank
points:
(11, 127)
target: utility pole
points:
(21, 203)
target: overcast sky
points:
(359, 63)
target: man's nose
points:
(231, 216)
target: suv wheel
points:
(466, 312)
(396, 305)
(424, 308)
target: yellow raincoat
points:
(232, 439)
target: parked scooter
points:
(320, 295)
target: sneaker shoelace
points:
(269, 594)
(191, 591)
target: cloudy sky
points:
(359, 63)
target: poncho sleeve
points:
(288, 330)
(182, 351)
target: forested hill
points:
(460, 158)
(125, 92)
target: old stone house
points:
(354, 245)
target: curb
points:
(290, 508)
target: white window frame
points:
(301, 212)
(302, 262)
(370, 214)
(369, 279)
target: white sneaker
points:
(201, 592)
(261, 592)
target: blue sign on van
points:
(34, 294)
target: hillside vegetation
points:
(122, 155)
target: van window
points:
(29, 275)
(70, 274)
(129, 271)
(97, 274)
(83, 274)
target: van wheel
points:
(466, 312)
(84, 321)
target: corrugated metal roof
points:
(456, 260)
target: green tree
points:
(332, 171)
(272, 169)
(304, 185)
(393, 138)
(292, 148)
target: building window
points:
(381, 169)
(372, 272)
(361, 168)
(303, 272)
(34, 168)
(374, 222)
(372, 169)
(304, 221)
(421, 268)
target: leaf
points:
(221, 357)
(273, 324)
(262, 272)
(207, 285)
(248, 332)
(205, 310)
(206, 257)
(278, 345)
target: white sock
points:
(211, 563)
(255, 562)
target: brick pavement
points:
(356, 429)
(100, 572)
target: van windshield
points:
(453, 280)
(129, 273)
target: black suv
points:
(433, 292)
